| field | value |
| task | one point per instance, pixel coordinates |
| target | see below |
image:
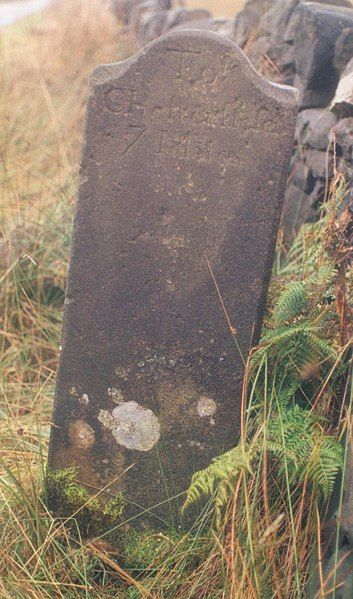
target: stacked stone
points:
(305, 44)
(308, 45)
(149, 19)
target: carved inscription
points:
(199, 148)
(178, 108)
(187, 116)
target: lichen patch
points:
(81, 434)
(116, 395)
(106, 419)
(84, 399)
(122, 372)
(132, 425)
(206, 406)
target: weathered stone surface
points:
(201, 24)
(223, 27)
(151, 26)
(220, 26)
(259, 50)
(342, 103)
(247, 21)
(342, 3)
(342, 135)
(311, 169)
(313, 127)
(146, 7)
(173, 241)
(320, 164)
(343, 49)
(276, 19)
(318, 29)
(318, 133)
(297, 209)
(181, 16)
(303, 178)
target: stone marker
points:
(183, 172)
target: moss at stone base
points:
(84, 512)
(140, 550)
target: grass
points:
(270, 514)
(45, 66)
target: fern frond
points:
(285, 394)
(291, 303)
(324, 276)
(324, 464)
(290, 439)
(219, 479)
(278, 341)
(274, 336)
(323, 348)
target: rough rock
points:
(342, 135)
(247, 21)
(180, 16)
(304, 179)
(342, 103)
(205, 24)
(318, 28)
(319, 162)
(276, 19)
(140, 10)
(343, 49)
(223, 27)
(220, 26)
(313, 127)
(151, 26)
(296, 210)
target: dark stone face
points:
(318, 27)
(184, 165)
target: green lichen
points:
(83, 512)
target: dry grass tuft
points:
(45, 66)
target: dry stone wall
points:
(305, 44)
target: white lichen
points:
(106, 419)
(206, 406)
(116, 395)
(84, 399)
(197, 444)
(132, 425)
